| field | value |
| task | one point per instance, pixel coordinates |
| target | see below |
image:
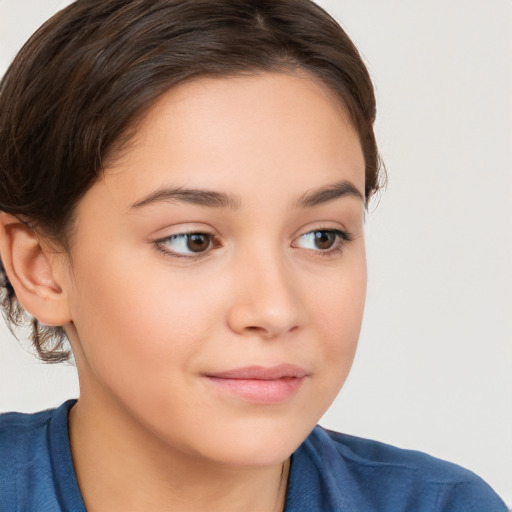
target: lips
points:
(262, 372)
(260, 384)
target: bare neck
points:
(120, 466)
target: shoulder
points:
(23, 422)
(24, 452)
(367, 453)
(384, 477)
(21, 435)
(27, 457)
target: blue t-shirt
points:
(329, 472)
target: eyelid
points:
(342, 238)
(160, 244)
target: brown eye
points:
(198, 242)
(324, 239)
(185, 245)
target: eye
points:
(322, 240)
(186, 244)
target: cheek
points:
(146, 317)
(339, 311)
(340, 299)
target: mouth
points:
(260, 384)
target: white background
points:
(433, 370)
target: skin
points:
(146, 326)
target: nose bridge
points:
(266, 298)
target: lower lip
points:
(271, 391)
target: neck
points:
(120, 466)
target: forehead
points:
(240, 133)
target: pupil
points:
(324, 239)
(198, 242)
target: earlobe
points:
(30, 272)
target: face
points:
(218, 268)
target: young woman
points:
(182, 193)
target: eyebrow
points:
(194, 196)
(214, 199)
(328, 193)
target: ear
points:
(33, 272)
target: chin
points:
(250, 444)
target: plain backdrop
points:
(433, 371)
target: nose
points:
(266, 299)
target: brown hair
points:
(85, 77)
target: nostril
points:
(265, 317)
(267, 332)
(254, 328)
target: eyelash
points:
(160, 245)
(342, 237)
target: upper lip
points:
(261, 372)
